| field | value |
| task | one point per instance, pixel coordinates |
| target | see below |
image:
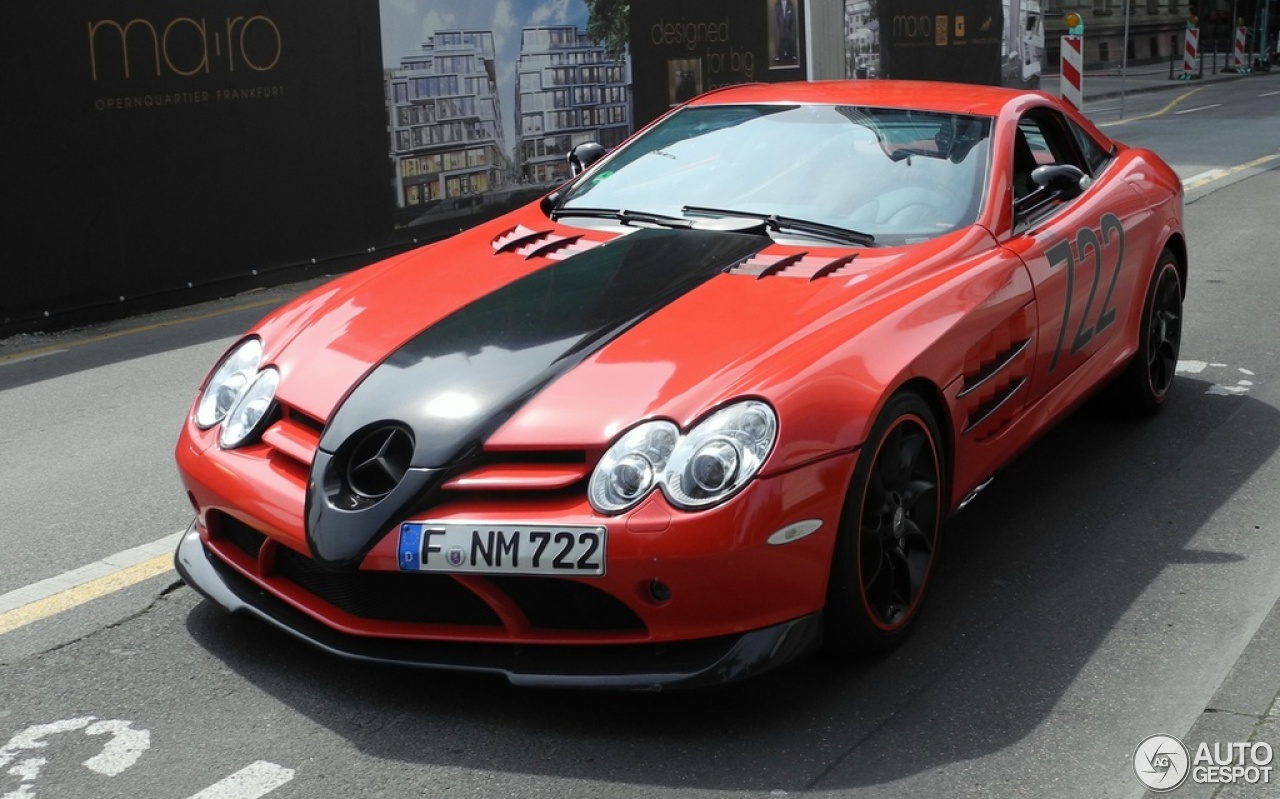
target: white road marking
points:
(121, 752)
(1269, 94)
(252, 781)
(33, 737)
(111, 564)
(1241, 387)
(1226, 391)
(1197, 108)
(1212, 174)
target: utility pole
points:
(1263, 32)
(1124, 61)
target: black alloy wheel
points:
(889, 535)
(1144, 386)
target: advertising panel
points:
(964, 42)
(153, 148)
(681, 49)
(950, 40)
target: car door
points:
(1073, 246)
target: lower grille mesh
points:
(388, 596)
(553, 604)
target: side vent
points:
(996, 376)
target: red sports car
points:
(701, 409)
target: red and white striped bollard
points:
(1072, 69)
(1190, 52)
(1238, 58)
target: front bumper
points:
(682, 664)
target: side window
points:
(1045, 134)
(1036, 145)
(1094, 155)
(1044, 137)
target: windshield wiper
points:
(624, 216)
(785, 223)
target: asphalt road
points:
(1118, 582)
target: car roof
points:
(956, 98)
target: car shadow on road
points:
(1033, 578)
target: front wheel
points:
(888, 536)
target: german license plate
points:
(501, 548)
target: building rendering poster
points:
(486, 99)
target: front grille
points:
(304, 420)
(247, 540)
(292, 440)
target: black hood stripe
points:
(459, 380)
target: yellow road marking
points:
(66, 345)
(86, 592)
(1196, 182)
(1161, 112)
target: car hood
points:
(672, 318)
(523, 338)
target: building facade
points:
(445, 124)
(568, 91)
(862, 39)
(1157, 30)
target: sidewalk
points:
(1100, 85)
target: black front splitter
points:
(652, 667)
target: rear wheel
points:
(1143, 387)
(889, 530)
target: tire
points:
(889, 531)
(1144, 385)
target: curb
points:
(1147, 88)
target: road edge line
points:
(53, 595)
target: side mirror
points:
(1053, 183)
(583, 156)
(1061, 181)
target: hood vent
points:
(529, 243)
(801, 264)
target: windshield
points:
(897, 174)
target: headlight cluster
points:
(238, 395)
(695, 469)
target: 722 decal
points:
(1089, 244)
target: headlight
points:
(247, 415)
(695, 470)
(229, 382)
(719, 456)
(632, 466)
